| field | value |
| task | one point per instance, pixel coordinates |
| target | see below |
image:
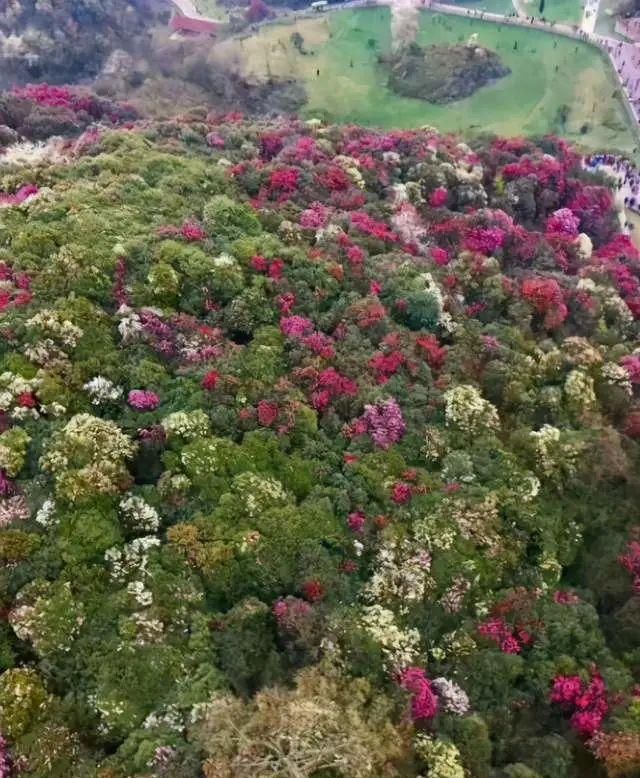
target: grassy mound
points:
(443, 74)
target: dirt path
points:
(188, 8)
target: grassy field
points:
(504, 7)
(556, 84)
(212, 8)
(567, 11)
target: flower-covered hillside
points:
(318, 458)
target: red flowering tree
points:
(258, 11)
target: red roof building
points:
(188, 24)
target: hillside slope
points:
(318, 456)
(67, 40)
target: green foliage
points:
(228, 219)
(245, 645)
(48, 616)
(471, 736)
(234, 446)
(83, 534)
(13, 450)
(23, 698)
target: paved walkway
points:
(590, 16)
(519, 20)
(625, 58)
(627, 190)
(626, 184)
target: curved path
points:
(188, 8)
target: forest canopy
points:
(318, 452)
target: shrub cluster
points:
(318, 457)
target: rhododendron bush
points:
(37, 111)
(318, 456)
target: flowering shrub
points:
(441, 757)
(6, 765)
(451, 697)
(438, 197)
(305, 428)
(588, 702)
(25, 194)
(424, 702)
(38, 111)
(383, 422)
(101, 390)
(630, 560)
(546, 297)
(87, 456)
(466, 409)
(142, 400)
(563, 222)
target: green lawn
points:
(211, 8)
(352, 87)
(504, 7)
(565, 11)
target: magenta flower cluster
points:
(384, 423)
(6, 765)
(587, 702)
(143, 400)
(23, 195)
(563, 222)
(424, 701)
(296, 326)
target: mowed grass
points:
(504, 7)
(212, 8)
(565, 11)
(551, 76)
